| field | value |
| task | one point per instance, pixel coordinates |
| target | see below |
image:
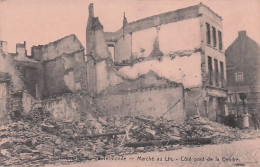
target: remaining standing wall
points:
(152, 102)
(70, 107)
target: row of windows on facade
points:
(214, 36)
(219, 79)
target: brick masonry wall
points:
(70, 107)
(153, 102)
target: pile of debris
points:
(48, 141)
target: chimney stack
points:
(242, 33)
(91, 10)
(21, 49)
(242, 39)
(3, 46)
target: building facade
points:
(243, 73)
(192, 34)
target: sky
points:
(39, 22)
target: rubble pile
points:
(49, 141)
(199, 127)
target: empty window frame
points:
(111, 49)
(216, 72)
(222, 74)
(214, 35)
(208, 33)
(220, 40)
(210, 70)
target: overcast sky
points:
(43, 21)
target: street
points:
(238, 153)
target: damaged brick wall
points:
(66, 73)
(4, 95)
(30, 78)
(149, 94)
(15, 86)
(105, 75)
(63, 66)
(136, 39)
(54, 77)
(70, 107)
(201, 102)
(28, 102)
(68, 44)
(152, 102)
(8, 66)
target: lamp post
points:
(243, 96)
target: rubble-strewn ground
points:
(38, 141)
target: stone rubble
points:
(27, 142)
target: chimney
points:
(242, 33)
(21, 49)
(91, 10)
(124, 21)
(124, 24)
(3, 46)
(242, 39)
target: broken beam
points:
(170, 142)
(107, 134)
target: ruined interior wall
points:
(142, 42)
(69, 44)
(105, 76)
(101, 49)
(177, 36)
(28, 102)
(213, 109)
(70, 107)
(147, 81)
(194, 104)
(75, 71)
(54, 77)
(147, 102)
(29, 77)
(65, 73)
(8, 66)
(102, 76)
(123, 48)
(178, 69)
(206, 106)
(3, 101)
(91, 76)
(40, 89)
(182, 35)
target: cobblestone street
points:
(238, 153)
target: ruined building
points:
(243, 67)
(170, 65)
(184, 46)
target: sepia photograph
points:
(130, 83)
